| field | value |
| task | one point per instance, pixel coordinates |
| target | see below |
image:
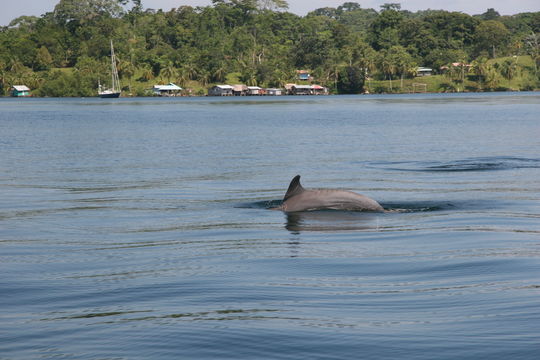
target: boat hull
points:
(110, 95)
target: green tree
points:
(86, 10)
(384, 31)
(509, 68)
(451, 30)
(249, 76)
(386, 66)
(403, 62)
(203, 77)
(456, 72)
(492, 78)
(490, 14)
(364, 57)
(220, 73)
(273, 4)
(62, 84)
(4, 78)
(489, 36)
(391, 6)
(351, 80)
(26, 23)
(169, 72)
(146, 73)
(44, 59)
(532, 42)
(480, 68)
(348, 7)
(126, 69)
(280, 77)
(182, 77)
(416, 36)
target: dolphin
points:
(299, 199)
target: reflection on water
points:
(330, 221)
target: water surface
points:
(140, 228)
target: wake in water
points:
(465, 165)
(390, 207)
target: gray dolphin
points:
(299, 199)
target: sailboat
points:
(114, 91)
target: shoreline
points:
(275, 96)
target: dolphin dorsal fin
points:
(294, 188)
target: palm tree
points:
(191, 71)
(127, 69)
(387, 66)
(368, 63)
(18, 71)
(203, 77)
(331, 73)
(182, 77)
(4, 77)
(17, 66)
(34, 81)
(480, 69)
(220, 73)
(169, 72)
(249, 76)
(492, 80)
(405, 66)
(147, 73)
(279, 78)
(532, 43)
(509, 68)
(457, 73)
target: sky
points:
(11, 9)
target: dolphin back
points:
(299, 199)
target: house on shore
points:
(221, 90)
(463, 66)
(240, 90)
(255, 91)
(424, 71)
(167, 90)
(301, 90)
(274, 92)
(290, 89)
(319, 90)
(303, 75)
(295, 89)
(20, 91)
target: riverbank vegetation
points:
(348, 49)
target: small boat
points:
(114, 91)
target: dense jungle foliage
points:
(257, 42)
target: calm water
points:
(141, 229)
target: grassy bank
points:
(524, 79)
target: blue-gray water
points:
(141, 229)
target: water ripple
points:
(472, 164)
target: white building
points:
(424, 71)
(274, 92)
(254, 90)
(166, 90)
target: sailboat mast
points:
(115, 79)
